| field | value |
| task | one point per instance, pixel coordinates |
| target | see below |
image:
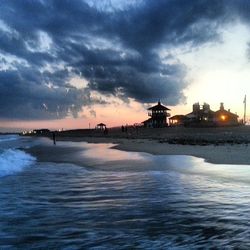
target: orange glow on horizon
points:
(112, 115)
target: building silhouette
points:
(224, 117)
(177, 120)
(158, 116)
(203, 116)
(101, 126)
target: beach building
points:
(177, 120)
(101, 126)
(41, 131)
(224, 117)
(203, 116)
(158, 116)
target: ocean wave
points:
(13, 161)
(5, 138)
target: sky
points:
(72, 64)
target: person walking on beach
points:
(54, 138)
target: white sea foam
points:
(13, 161)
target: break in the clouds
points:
(115, 48)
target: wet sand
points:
(222, 145)
(218, 154)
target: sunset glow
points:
(66, 75)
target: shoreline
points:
(216, 154)
(236, 154)
(222, 145)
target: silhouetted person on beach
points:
(54, 138)
(123, 129)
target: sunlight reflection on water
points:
(104, 153)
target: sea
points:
(120, 200)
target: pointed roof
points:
(159, 106)
(101, 125)
(226, 112)
(177, 117)
(148, 120)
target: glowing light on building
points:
(223, 117)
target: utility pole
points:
(245, 107)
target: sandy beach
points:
(215, 145)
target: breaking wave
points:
(13, 161)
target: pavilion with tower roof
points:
(158, 116)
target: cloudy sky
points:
(71, 63)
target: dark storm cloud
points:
(22, 95)
(242, 9)
(117, 52)
(170, 22)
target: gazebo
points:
(101, 126)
